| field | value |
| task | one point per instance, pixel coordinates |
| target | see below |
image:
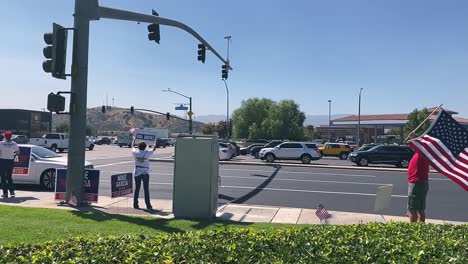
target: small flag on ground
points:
(73, 201)
(322, 212)
(445, 144)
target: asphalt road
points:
(349, 190)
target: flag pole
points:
(422, 123)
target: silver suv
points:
(305, 152)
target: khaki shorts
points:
(417, 193)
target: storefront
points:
(25, 122)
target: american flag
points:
(322, 212)
(73, 201)
(445, 144)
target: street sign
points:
(190, 113)
(181, 107)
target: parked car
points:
(319, 142)
(399, 156)
(226, 151)
(102, 141)
(56, 141)
(336, 150)
(367, 147)
(305, 152)
(246, 150)
(352, 144)
(37, 165)
(255, 151)
(20, 139)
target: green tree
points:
(265, 119)
(310, 133)
(215, 129)
(415, 118)
(250, 116)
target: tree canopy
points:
(415, 118)
(262, 118)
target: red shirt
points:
(418, 169)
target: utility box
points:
(196, 170)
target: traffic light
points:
(154, 33)
(201, 52)
(56, 51)
(132, 110)
(103, 109)
(168, 116)
(225, 71)
(55, 103)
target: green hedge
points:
(371, 243)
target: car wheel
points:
(404, 163)
(257, 155)
(120, 145)
(343, 156)
(48, 179)
(91, 147)
(306, 159)
(61, 150)
(363, 162)
(269, 157)
(53, 148)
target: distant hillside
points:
(120, 119)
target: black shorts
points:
(417, 193)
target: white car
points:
(226, 151)
(305, 152)
(37, 165)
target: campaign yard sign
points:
(21, 166)
(121, 184)
(90, 185)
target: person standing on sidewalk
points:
(418, 186)
(8, 150)
(142, 172)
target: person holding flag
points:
(444, 146)
(142, 172)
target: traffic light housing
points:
(132, 110)
(201, 53)
(154, 33)
(103, 109)
(168, 116)
(55, 52)
(55, 103)
(224, 72)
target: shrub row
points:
(370, 243)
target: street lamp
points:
(329, 120)
(190, 113)
(359, 120)
(228, 124)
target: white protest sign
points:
(383, 197)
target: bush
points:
(371, 243)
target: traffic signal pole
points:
(86, 11)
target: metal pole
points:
(359, 121)
(79, 85)
(190, 118)
(228, 124)
(329, 120)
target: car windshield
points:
(44, 153)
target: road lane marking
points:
(314, 173)
(300, 180)
(308, 191)
(112, 164)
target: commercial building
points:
(373, 127)
(25, 122)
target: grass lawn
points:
(34, 225)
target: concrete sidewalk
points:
(233, 212)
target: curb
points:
(298, 165)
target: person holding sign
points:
(142, 172)
(8, 150)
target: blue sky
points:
(405, 54)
